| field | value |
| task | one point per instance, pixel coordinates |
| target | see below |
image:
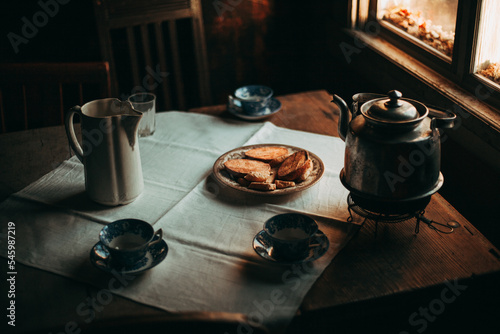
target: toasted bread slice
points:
(262, 186)
(241, 167)
(257, 176)
(272, 175)
(243, 182)
(266, 153)
(289, 168)
(280, 184)
(305, 171)
(301, 171)
(279, 160)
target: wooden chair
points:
(34, 95)
(145, 40)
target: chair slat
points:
(126, 16)
(133, 54)
(165, 86)
(2, 114)
(147, 58)
(179, 83)
(201, 54)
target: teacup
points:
(251, 99)
(291, 235)
(128, 240)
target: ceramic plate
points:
(273, 108)
(262, 244)
(225, 178)
(99, 256)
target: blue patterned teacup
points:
(128, 240)
(251, 99)
(291, 235)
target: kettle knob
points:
(394, 109)
(394, 96)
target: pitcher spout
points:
(129, 120)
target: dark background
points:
(291, 46)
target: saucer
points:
(262, 244)
(99, 256)
(273, 107)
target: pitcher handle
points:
(70, 131)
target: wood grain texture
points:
(307, 111)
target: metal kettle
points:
(393, 148)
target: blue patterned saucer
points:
(99, 256)
(273, 107)
(262, 244)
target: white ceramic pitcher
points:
(109, 150)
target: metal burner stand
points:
(398, 218)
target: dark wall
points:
(288, 45)
(284, 44)
(67, 34)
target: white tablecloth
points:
(211, 265)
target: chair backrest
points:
(34, 95)
(156, 46)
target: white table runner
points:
(211, 265)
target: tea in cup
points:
(251, 99)
(291, 235)
(128, 240)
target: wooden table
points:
(387, 279)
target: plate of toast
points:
(268, 169)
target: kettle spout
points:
(344, 116)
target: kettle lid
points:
(393, 109)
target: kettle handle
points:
(441, 118)
(70, 131)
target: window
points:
(431, 22)
(487, 59)
(456, 38)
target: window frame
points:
(460, 69)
